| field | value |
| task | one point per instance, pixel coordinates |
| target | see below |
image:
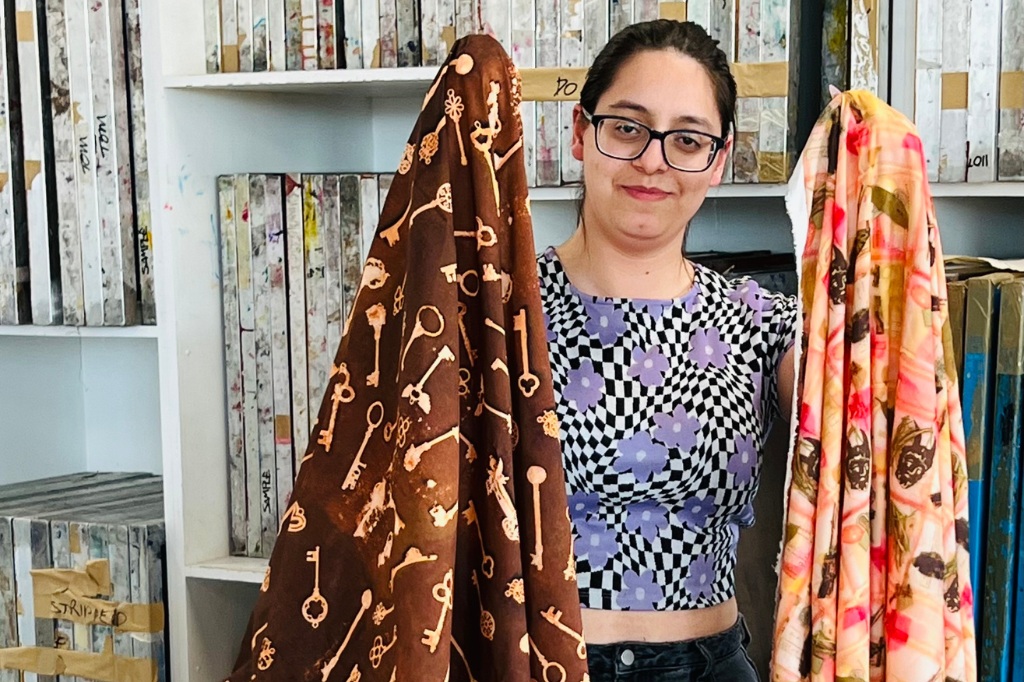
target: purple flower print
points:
(742, 463)
(677, 429)
(582, 506)
(692, 298)
(605, 321)
(597, 543)
(653, 307)
(650, 365)
(547, 326)
(696, 510)
(700, 577)
(757, 380)
(585, 386)
(639, 592)
(708, 348)
(744, 518)
(641, 455)
(752, 295)
(647, 517)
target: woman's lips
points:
(645, 193)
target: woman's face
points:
(646, 203)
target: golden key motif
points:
(499, 366)
(492, 275)
(463, 64)
(554, 617)
(374, 274)
(380, 501)
(380, 613)
(399, 297)
(443, 516)
(537, 475)
(443, 595)
(487, 624)
(412, 556)
(470, 448)
(483, 138)
(496, 481)
(329, 666)
(343, 393)
(442, 200)
(465, 337)
(355, 675)
(266, 657)
(377, 316)
(547, 665)
(416, 452)
(487, 565)
(482, 404)
(483, 234)
(313, 556)
(415, 393)
(419, 329)
(528, 381)
(266, 581)
(474, 278)
(453, 109)
(488, 322)
(296, 518)
(352, 477)
(464, 377)
(390, 233)
(378, 649)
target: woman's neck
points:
(599, 267)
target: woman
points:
(667, 374)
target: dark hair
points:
(663, 34)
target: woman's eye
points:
(627, 129)
(687, 142)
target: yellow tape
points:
(25, 26)
(954, 90)
(769, 79)
(4, 179)
(1011, 90)
(32, 171)
(229, 59)
(564, 84)
(94, 581)
(552, 84)
(122, 616)
(448, 36)
(772, 167)
(282, 426)
(672, 10)
(104, 667)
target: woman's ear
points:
(718, 169)
(579, 127)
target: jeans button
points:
(627, 657)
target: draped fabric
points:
(428, 535)
(874, 579)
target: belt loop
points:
(709, 660)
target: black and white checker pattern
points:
(724, 401)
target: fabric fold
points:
(874, 579)
(428, 537)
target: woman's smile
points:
(642, 193)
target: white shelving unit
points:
(154, 398)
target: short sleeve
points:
(779, 327)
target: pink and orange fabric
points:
(874, 579)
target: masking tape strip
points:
(25, 26)
(229, 62)
(768, 79)
(672, 10)
(564, 84)
(94, 581)
(772, 167)
(954, 90)
(1011, 90)
(122, 616)
(104, 667)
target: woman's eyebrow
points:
(628, 105)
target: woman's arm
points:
(787, 377)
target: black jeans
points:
(718, 658)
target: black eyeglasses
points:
(622, 138)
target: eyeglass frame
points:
(652, 134)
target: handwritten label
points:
(552, 85)
(266, 484)
(84, 160)
(102, 136)
(88, 611)
(976, 161)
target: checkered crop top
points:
(664, 407)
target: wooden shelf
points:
(63, 332)
(400, 82)
(234, 569)
(977, 189)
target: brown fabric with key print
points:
(428, 526)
